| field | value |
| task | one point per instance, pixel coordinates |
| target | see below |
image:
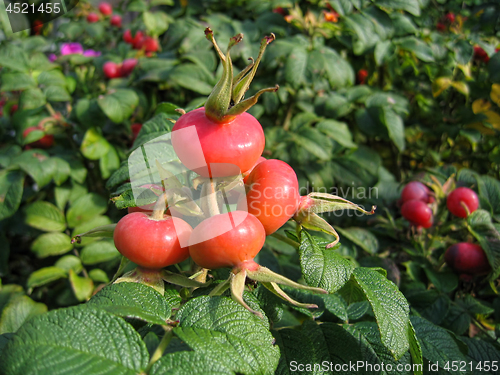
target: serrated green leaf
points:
(481, 351)
(295, 67)
(361, 237)
(50, 244)
(17, 81)
(411, 6)
(338, 131)
(56, 94)
(156, 22)
(31, 99)
(390, 308)
(99, 276)
(37, 164)
(98, 252)
(84, 340)
(69, 262)
(189, 363)
(82, 286)
(119, 105)
(45, 216)
(62, 170)
(395, 127)
(418, 47)
(17, 311)
(52, 78)
(109, 163)
(321, 267)
(136, 300)
(85, 208)
(11, 192)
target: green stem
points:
(159, 207)
(161, 347)
(286, 240)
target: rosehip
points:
(128, 66)
(417, 213)
(44, 143)
(440, 26)
(480, 54)
(150, 44)
(450, 17)
(111, 70)
(361, 76)
(127, 37)
(467, 258)
(92, 18)
(116, 20)
(138, 40)
(459, 197)
(136, 128)
(14, 109)
(105, 9)
(415, 190)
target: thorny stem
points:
(161, 347)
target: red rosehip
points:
(127, 37)
(361, 76)
(14, 109)
(105, 9)
(459, 197)
(480, 54)
(450, 17)
(415, 190)
(116, 20)
(138, 40)
(440, 26)
(280, 10)
(111, 70)
(417, 213)
(44, 143)
(128, 66)
(92, 18)
(467, 258)
(136, 128)
(150, 44)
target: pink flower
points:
(52, 57)
(91, 53)
(71, 48)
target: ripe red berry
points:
(150, 44)
(480, 54)
(111, 70)
(92, 18)
(116, 20)
(152, 243)
(415, 190)
(440, 26)
(459, 197)
(467, 258)
(14, 109)
(227, 240)
(127, 36)
(136, 128)
(44, 143)
(138, 40)
(105, 9)
(128, 66)
(361, 76)
(417, 213)
(450, 17)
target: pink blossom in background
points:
(52, 57)
(91, 53)
(71, 48)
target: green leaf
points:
(157, 126)
(437, 344)
(361, 237)
(52, 78)
(411, 6)
(135, 300)
(395, 127)
(37, 164)
(481, 351)
(69, 262)
(224, 319)
(156, 23)
(14, 57)
(17, 82)
(308, 139)
(99, 276)
(417, 46)
(382, 50)
(85, 208)
(4, 255)
(94, 222)
(11, 192)
(415, 349)
(98, 252)
(89, 113)
(321, 267)
(82, 286)
(17, 311)
(119, 105)
(494, 67)
(45, 216)
(192, 77)
(45, 276)
(295, 67)
(56, 94)
(481, 227)
(189, 363)
(49, 244)
(94, 145)
(84, 340)
(109, 163)
(62, 170)
(31, 99)
(390, 308)
(327, 63)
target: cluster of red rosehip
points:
(115, 70)
(230, 139)
(445, 21)
(467, 259)
(106, 9)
